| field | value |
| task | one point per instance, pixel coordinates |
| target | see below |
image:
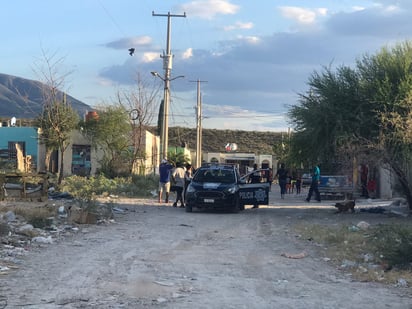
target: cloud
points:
(380, 21)
(238, 25)
(208, 9)
(141, 41)
(258, 77)
(302, 15)
(150, 57)
(188, 53)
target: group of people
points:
(179, 176)
(288, 181)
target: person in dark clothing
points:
(314, 184)
(165, 169)
(255, 177)
(298, 184)
(282, 175)
(364, 180)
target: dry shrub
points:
(38, 216)
(390, 248)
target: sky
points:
(253, 58)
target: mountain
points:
(23, 98)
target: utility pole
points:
(167, 66)
(199, 124)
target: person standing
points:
(269, 178)
(298, 183)
(179, 177)
(188, 176)
(364, 180)
(282, 175)
(314, 184)
(164, 180)
(255, 177)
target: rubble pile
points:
(18, 236)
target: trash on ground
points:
(295, 256)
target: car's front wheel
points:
(237, 206)
(188, 208)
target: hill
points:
(22, 98)
(214, 140)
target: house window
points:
(13, 149)
(81, 160)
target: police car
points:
(220, 187)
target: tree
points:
(178, 158)
(387, 81)
(110, 133)
(139, 102)
(327, 116)
(58, 119)
(361, 112)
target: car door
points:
(253, 193)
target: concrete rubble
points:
(18, 237)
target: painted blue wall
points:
(20, 134)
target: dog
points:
(345, 206)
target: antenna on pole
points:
(167, 66)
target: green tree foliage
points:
(328, 115)
(365, 111)
(57, 121)
(388, 84)
(178, 158)
(110, 133)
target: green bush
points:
(394, 244)
(87, 189)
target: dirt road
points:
(157, 256)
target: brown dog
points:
(345, 206)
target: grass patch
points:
(381, 253)
(39, 217)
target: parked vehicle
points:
(220, 187)
(306, 179)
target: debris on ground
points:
(295, 256)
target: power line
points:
(111, 18)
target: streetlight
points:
(165, 121)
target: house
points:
(26, 138)
(244, 160)
(80, 158)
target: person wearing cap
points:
(165, 169)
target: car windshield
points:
(215, 175)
